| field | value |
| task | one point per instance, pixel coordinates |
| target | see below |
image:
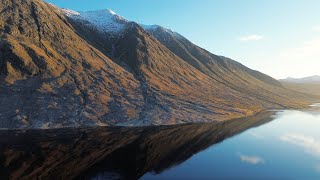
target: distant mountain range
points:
(308, 85)
(311, 80)
(61, 68)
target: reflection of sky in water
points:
(286, 148)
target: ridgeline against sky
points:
(279, 38)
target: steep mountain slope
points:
(63, 68)
(200, 58)
(51, 77)
(223, 69)
(227, 71)
(223, 73)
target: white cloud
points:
(254, 160)
(308, 143)
(253, 37)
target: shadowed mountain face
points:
(126, 153)
(62, 70)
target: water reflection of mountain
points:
(127, 152)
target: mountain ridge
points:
(60, 71)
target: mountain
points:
(51, 77)
(61, 68)
(309, 80)
(308, 85)
(313, 89)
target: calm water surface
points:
(286, 148)
(272, 145)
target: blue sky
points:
(279, 38)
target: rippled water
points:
(272, 145)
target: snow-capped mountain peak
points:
(105, 20)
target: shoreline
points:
(313, 105)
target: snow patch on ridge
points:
(111, 12)
(153, 28)
(70, 12)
